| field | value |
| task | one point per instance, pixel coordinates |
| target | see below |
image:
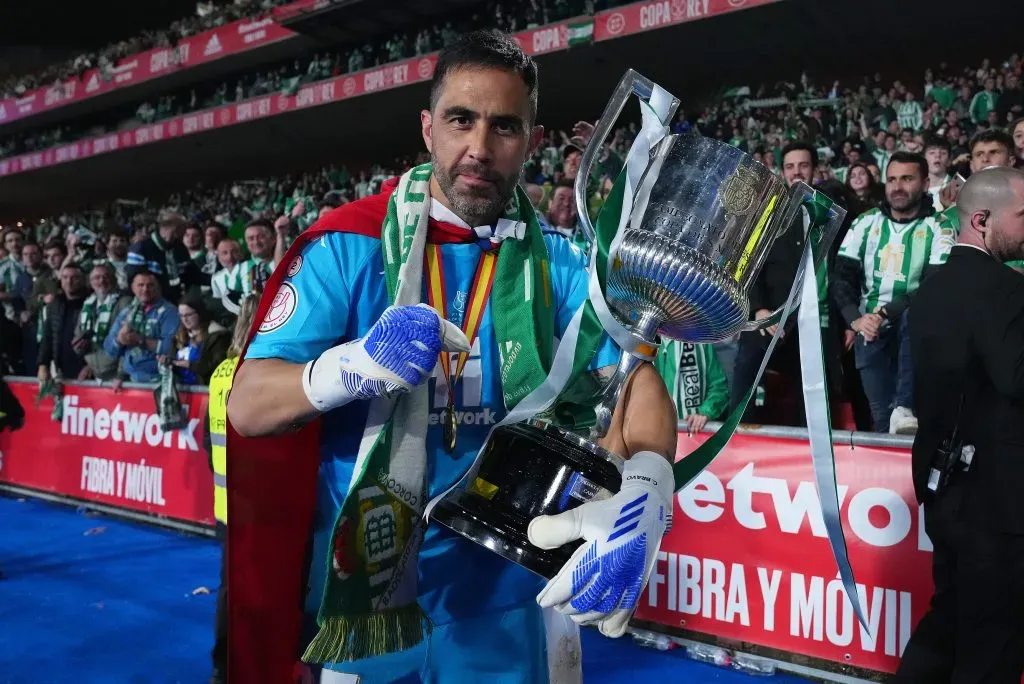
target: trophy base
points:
(528, 470)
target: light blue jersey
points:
(335, 295)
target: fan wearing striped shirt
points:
(879, 267)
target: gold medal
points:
(450, 429)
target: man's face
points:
(145, 288)
(13, 242)
(853, 155)
(213, 236)
(172, 234)
(1006, 227)
(259, 241)
(986, 154)
(797, 166)
(193, 238)
(31, 256)
(72, 281)
(880, 139)
(890, 143)
(54, 257)
(100, 280)
(228, 253)
(562, 211)
(1018, 139)
(938, 160)
(904, 185)
(479, 134)
(117, 247)
(990, 84)
(571, 165)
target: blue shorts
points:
(501, 648)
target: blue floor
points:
(91, 600)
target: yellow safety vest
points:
(220, 385)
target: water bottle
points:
(753, 665)
(647, 639)
(706, 653)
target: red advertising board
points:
(747, 558)
(233, 38)
(647, 16)
(109, 448)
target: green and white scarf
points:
(369, 604)
(95, 319)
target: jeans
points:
(878, 365)
(905, 371)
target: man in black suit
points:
(770, 290)
(967, 341)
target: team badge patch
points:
(294, 267)
(281, 309)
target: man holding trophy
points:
(404, 369)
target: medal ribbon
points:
(479, 293)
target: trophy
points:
(703, 217)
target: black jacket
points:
(149, 256)
(772, 285)
(967, 340)
(53, 330)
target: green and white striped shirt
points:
(893, 255)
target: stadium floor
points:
(90, 600)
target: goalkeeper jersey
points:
(893, 255)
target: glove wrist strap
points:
(322, 382)
(650, 470)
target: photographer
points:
(967, 341)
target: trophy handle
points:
(631, 83)
(826, 219)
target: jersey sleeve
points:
(569, 281)
(310, 312)
(856, 237)
(943, 240)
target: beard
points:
(475, 206)
(1005, 249)
(903, 202)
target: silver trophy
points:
(703, 217)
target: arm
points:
(268, 398)
(845, 287)
(169, 324)
(110, 345)
(46, 343)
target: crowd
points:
(73, 287)
(208, 15)
(289, 75)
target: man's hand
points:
(126, 337)
(603, 580)
(396, 354)
(849, 338)
(86, 373)
(582, 132)
(43, 375)
(762, 314)
(948, 195)
(282, 225)
(49, 297)
(695, 422)
(25, 316)
(868, 325)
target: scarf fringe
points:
(345, 638)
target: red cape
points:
(272, 496)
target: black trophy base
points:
(526, 471)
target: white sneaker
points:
(902, 421)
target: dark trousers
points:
(878, 365)
(905, 372)
(785, 360)
(973, 632)
(220, 629)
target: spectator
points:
(99, 311)
(1017, 132)
(212, 236)
(260, 241)
(143, 331)
(561, 216)
(60, 345)
(36, 287)
(864, 188)
(877, 271)
(230, 283)
(770, 290)
(164, 256)
(116, 240)
(10, 268)
(988, 148)
(198, 348)
(984, 102)
(936, 152)
(696, 381)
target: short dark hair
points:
(115, 231)
(260, 223)
(485, 49)
(144, 272)
(75, 265)
(937, 141)
(56, 243)
(993, 135)
(798, 146)
(903, 157)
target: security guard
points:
(216, 436)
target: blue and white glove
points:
(396, 354)
(602, 582)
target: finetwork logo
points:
(213, 46)
(128, 427)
